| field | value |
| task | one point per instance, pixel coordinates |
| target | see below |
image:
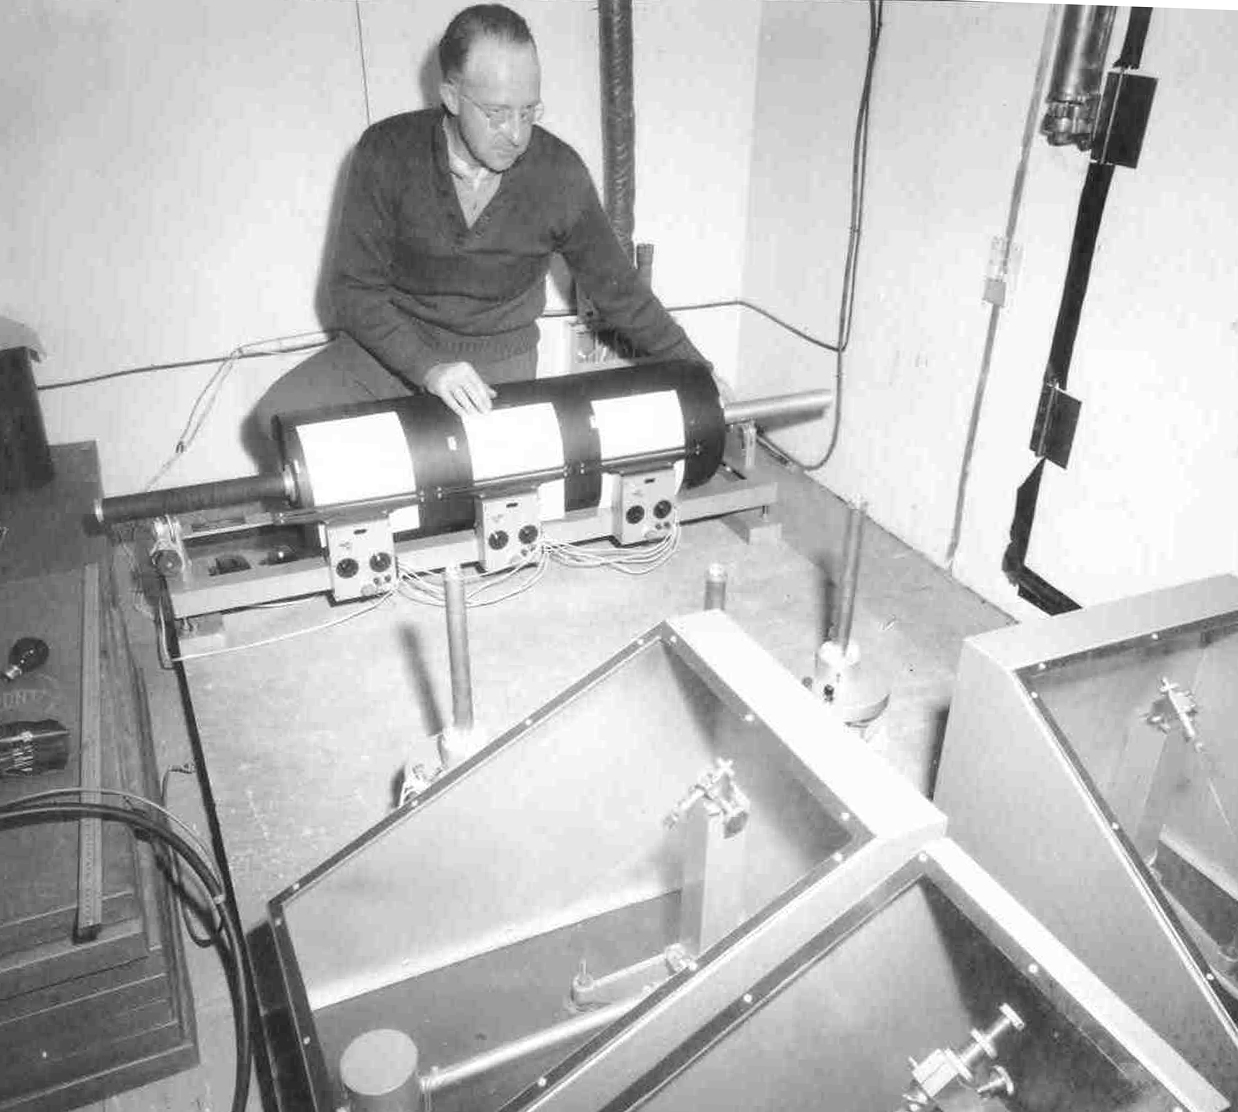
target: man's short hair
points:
(493, 20)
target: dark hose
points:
(618, 117)
(187, 499)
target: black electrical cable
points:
(744, 303)
(859, 176)
(151, 368)
(211, 938)
(721, 303)
(19, 813)
(1092, 198)
(1137, 25)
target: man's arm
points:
(611, 282)
(361, 267)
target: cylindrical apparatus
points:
(571, 429)
(1075, 85)
(572, 426)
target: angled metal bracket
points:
(1057, 416)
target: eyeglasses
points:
(499, 117)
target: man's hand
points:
(461, 387)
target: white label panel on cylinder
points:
(356, 458)
(517, 440)
(641, 423)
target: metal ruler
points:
(90, 831)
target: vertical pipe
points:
(850, 576)
(458, 648)
(715, 587)
(618, 117)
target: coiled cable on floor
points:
(150, 824)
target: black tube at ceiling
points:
(618, 117)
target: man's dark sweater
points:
(416, 286)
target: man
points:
(450, 218)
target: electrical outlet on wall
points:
(1003, 271)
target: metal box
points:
(936, 991)
(686, 851)
(575, 837)
(1089, 764)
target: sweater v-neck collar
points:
(452, 166)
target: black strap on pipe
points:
(1032, 587)
(1136, 36)
(1078, 271)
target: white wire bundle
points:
(166, 659)
(632, 561)
(209, 394)
(482, 589)
(420, 587)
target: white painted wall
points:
(168, 184)
(171, 171)
(1143, 502)
(946, 119)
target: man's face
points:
(495, 100)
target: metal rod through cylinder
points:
(448, 1077)
(779, 405)
(850, 576)
(458, 648)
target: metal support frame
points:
(194, 592)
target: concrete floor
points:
(915, 617)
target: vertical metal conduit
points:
(458, 648)
(618, 117)
(850, 575)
